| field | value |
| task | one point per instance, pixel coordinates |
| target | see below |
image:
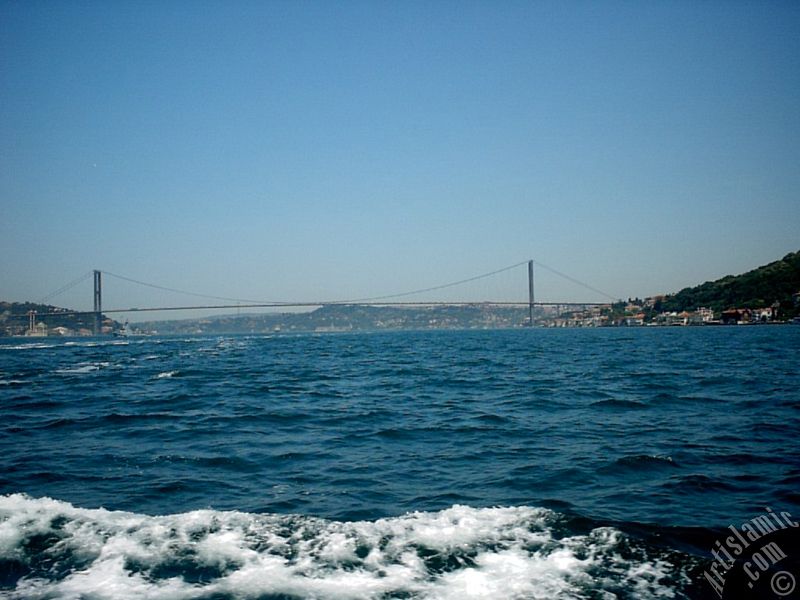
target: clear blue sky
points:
(308, 150)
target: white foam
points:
(458, 553)
(83, 368)
(511, 574)
(31, 346)
(11, 382)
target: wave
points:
(84, 367)
(27, 346)
(698, 483)
(59, 343)
(645, 461)
(52, 549)
(167, 374)
(616, 404)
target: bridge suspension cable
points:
(432, 289)
(576, 281)
(352, 301)
(65, 287)
(195, 294)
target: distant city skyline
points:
(309, 151)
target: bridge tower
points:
(98, 303)
(530, 293)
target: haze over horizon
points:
(305, 151)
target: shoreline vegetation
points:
(769, 294)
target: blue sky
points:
(311, 150)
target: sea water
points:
(433, 465)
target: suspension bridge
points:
(389, 300)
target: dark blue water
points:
(616, 456)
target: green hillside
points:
(14, 318)
(759, 288)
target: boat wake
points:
(52, 549)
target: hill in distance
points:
(351, 318)
(14, 318)
(777, 282)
